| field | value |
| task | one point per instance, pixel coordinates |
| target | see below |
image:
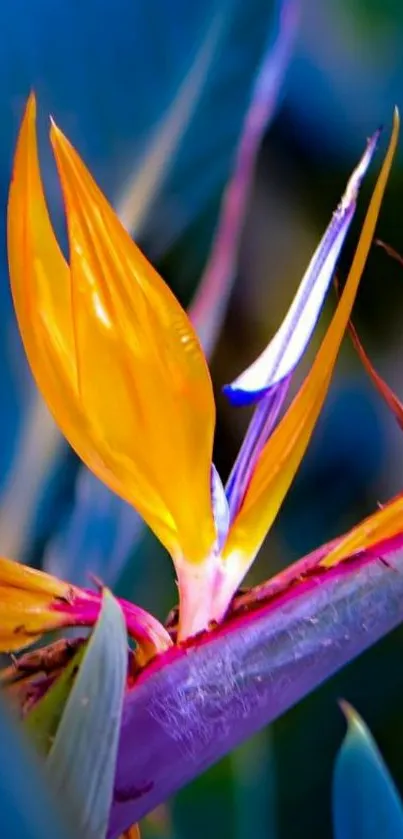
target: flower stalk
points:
(199, 701)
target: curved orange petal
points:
(21, 577)
(26, 599)
(283, 452)
(138, 407)
(379, 528)
(24, 619)
(40, 276)
(33, 603)
(132, 833)
(40, 281)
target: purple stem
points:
(195, 704)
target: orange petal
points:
(139, 409)
(40, 282)
(40, 277)
(383, 389)
(33, 603)
(132, 833)
(283, 453)
(19, 576)
(383, 526)
(26, 600)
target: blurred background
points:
(154, 97)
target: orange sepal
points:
(112, 351)
(30, 603)
(380, 528)
(132, 833)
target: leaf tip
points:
(352, 717)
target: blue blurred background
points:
(153, 96)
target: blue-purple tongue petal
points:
(220, 507)
(260, 428)
(284, 351)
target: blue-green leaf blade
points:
(366, 804)
(42, 721)
(82, 761)
(27, 809)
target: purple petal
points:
(259, 430)
(207, 311)
(198, 702)
(220, 507)
(284, 351)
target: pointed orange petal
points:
(40, 283)
(135, 399)
(24, 619)
(132, 833)
(26, 600)
(40, 277)
(383, 526)
(136, 342)
(383, 389)
(19, 576)
(283, 453)
(33, 603)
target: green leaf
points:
(366, 804)
(43, 720)
(82, 760)
(28, 811)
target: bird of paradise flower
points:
(123, 373)
(120, 366)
